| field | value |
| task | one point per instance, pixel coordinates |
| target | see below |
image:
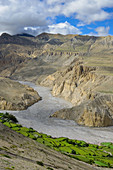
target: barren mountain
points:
(78, 68)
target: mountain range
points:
(78, 68)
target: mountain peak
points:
(5, 35)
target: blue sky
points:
(91, 17)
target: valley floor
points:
(37, 117)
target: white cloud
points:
(62, 28)
(15, 15)
(88, 11)
(102, 31)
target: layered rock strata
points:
(15, 96)
(96, 113)
(75, 83)
(79, 84)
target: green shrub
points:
(16, 128)
(7, 124)
(23, 133)
(50, 168)
(73, 151)
(40, 163)
(106, 143)
(1, 114)
(9, 117)
(7, 156)
(101, 164)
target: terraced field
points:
(90, 153)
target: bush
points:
(73, 152)
(40, 163)
(9, 117)
(50, 168)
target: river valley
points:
(37, 117)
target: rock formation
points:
(75, 83)
(15, 96)
(95, 113)
(80, 84)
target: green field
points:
(80, 150)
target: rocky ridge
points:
(95, 113)
(75, 83)
(15, 96)
(80, 84)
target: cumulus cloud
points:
(15, 15)
(88, 11)
(102, 31)
(62, 28)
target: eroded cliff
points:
(94, 113)
(15, 96)
(81, 85)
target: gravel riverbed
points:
(37, 117)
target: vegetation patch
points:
(40, 163)
(50, 168)
(7, 156)
(99, 163)
(9, 117)
(90, 153)
(12, 168)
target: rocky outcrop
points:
(76, 83)
(15, 96)
(79, 84)
(96, 113)
(96, 117)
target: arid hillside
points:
(20, 152)
(46, 53)
(15, 96)
(77, 68)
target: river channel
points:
(37, 117)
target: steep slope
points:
(83, 86)
(93, 113)
(15, 96)
(75, 83)
(20, 152)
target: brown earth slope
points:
(19, 152)
(15, 96)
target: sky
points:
(85, 17)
